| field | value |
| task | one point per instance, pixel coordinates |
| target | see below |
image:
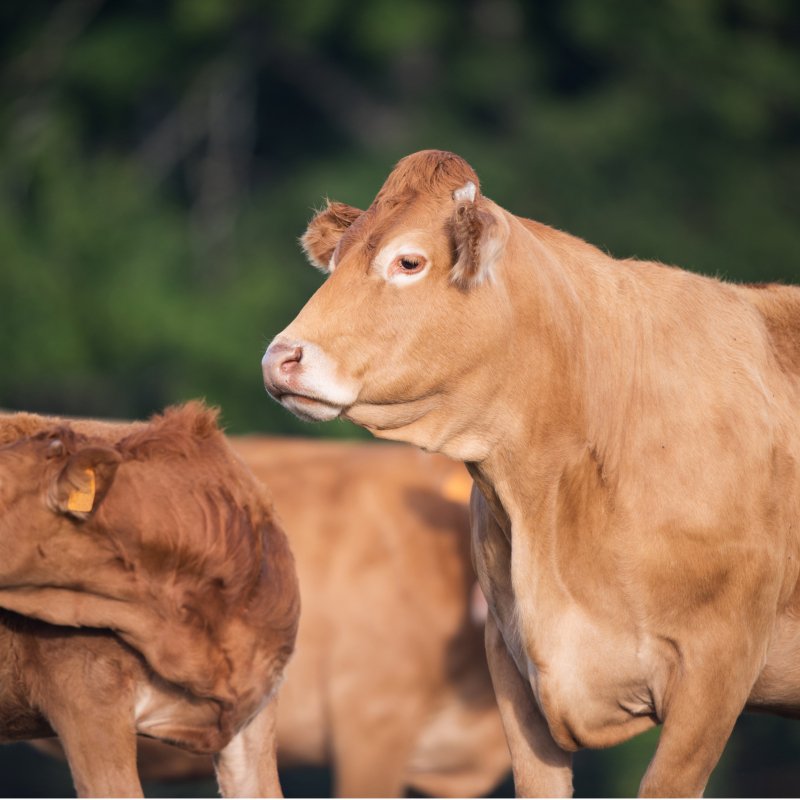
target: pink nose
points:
(281, 362)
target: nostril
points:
(291, 360)
(281, 363)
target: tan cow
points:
(388, 682)
(634, 430)
(158, 533)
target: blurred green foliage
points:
(159, 159)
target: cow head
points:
(158, 532)
(414, 305)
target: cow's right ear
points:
(479, 235)
(324, 232)
(83, 481)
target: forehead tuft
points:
(434, 172)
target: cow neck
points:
(561, 402)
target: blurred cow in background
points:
(389, 683)
(158, 533)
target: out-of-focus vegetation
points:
(159, 159)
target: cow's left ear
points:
(83, 481)
(479, 235)
(324, 232)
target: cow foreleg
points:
(373, 742)
(698, 720)
(541, 768)
(248, 765)
(100, 745)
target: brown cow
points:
(634, 433)
(388, 682)
(158, 533)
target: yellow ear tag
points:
(458, 487)
(83, 499)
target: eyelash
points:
(409, 265)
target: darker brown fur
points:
(179, 554)
(427, 172)
(221, 558)
(229, 563)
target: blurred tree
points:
(159, 160)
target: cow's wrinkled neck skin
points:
(431, 424)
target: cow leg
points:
(100, 745)
(86, 693)
(373, 742)
(248, 765)
(375, 766)
(541, 768)
(702, 710)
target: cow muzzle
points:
(301, 377)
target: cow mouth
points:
(308, 408)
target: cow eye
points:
(410, 264)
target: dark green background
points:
(159, 159)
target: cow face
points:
(415, 298)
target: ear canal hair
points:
(472, 228)
(324, 232)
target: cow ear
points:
(479, 237)
(83, 481)
(324, 232)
